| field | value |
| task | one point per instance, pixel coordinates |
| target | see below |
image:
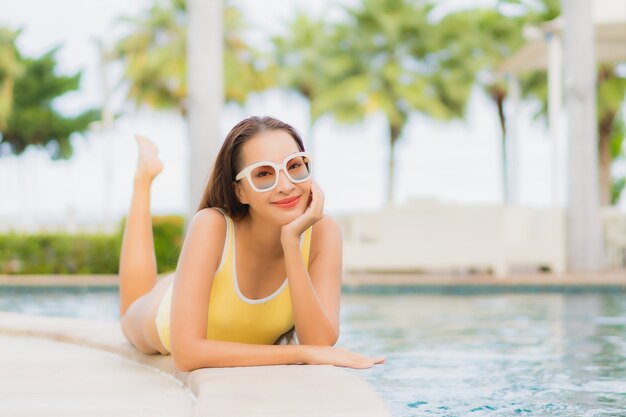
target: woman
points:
(260, 220)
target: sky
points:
(456, 162)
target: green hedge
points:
(168, 240)
(85, 254)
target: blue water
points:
(538, 354)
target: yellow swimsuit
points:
(232, 316)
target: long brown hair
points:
(219, 191)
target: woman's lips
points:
(288, 202)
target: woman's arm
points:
(315, 294)
(216, 353)
(198, 262)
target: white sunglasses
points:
(263, 176)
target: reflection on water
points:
(541, 354)
(496, 355)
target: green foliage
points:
(617, 153)
(85, 254)
(31, 119)
(168, 240)
(245, 69)
(155, 57)
(492, 35)
(389, 57)
(610, 98)
(10, 69)
(387, 61)
(154, 54)
(618, 134)
(167, 232)
(304, 57)
(617, 187)
(58, 254)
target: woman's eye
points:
(295, 165)
(262, 174)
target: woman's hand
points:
(311, 215)
(329, 355)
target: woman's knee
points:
(132, 324)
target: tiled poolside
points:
(75, 367)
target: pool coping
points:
(354, 280)
(283, 390)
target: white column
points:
(555, 105)
(585, 247)
(205, 91)
(512, 130)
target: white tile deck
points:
(97, 372)
(42, 377)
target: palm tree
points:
(302, 55)
(155, 57)
(10, 69)
(610, 99)
(618, 153)
(389, 58)
(489, 37)
(496, 36)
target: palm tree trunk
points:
(499, 97)
(394, 134)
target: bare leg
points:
(138, 269)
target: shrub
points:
(60, 253)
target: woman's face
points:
(273, 146)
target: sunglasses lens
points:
(263, 177)
(299, 168)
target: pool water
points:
(541, 354)
(98, 303)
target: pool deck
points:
(70, 367)
(613, 278)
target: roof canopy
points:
(610, 39)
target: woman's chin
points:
(287, 218)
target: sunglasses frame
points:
(246, 172)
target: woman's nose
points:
(284, 184)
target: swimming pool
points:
(542, 354)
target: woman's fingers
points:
(362, 362)
(318, 199)
(341, 357)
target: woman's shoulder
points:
(210, 218)
(326, 228)
(205, 235)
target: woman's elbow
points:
(183, 359)
(182, 363)
(334, 336)
(333, 340)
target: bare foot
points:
(148, 163)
